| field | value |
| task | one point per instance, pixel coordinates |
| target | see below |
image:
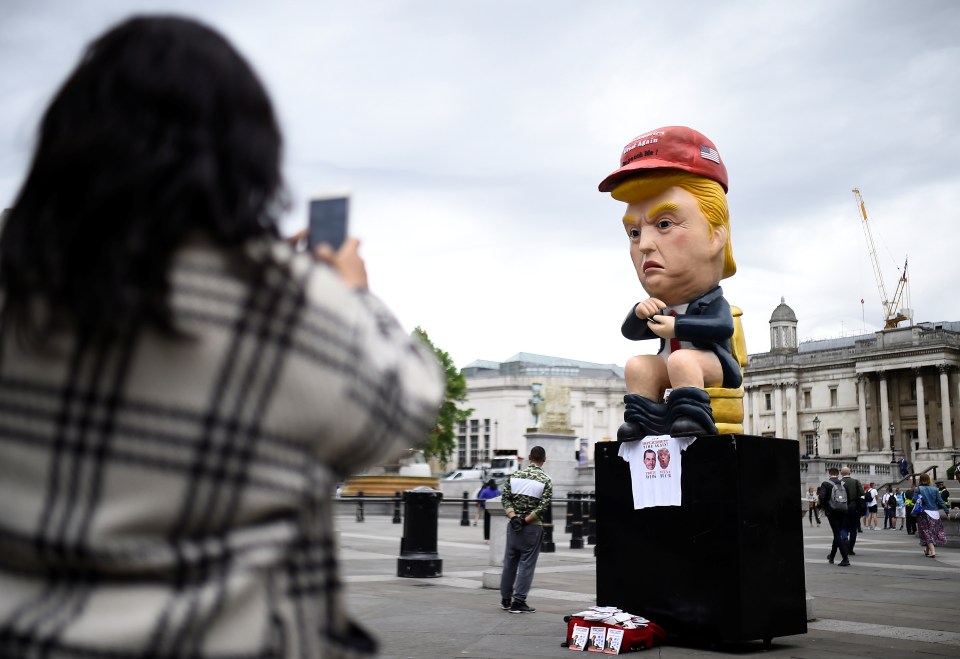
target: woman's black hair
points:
(162, 130)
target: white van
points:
(464, 474)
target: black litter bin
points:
(726, 566)
(418, 546)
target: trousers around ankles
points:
(519, 561)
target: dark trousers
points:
(811, 513)
(519, 561)
(836, 525)
(889, 518)
(851, 522)
(911, 523)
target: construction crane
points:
(893, 312)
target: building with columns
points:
(873, 397)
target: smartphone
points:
(328, 222)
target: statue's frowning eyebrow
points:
(654, 212)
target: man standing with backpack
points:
(856, 506)
(833, 499)
(889, 510)
(871, 495)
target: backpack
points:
(869, 497)
(837, 497)
(858, 502)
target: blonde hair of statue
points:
(709, 195)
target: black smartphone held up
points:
(328, 221)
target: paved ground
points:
(893, 602)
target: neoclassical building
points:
(859, 397)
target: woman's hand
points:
(346, 262)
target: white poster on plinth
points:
(655, 469)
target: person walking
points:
(812, 506)
(526, 497)
(836, 513)
(855, 507)
(930, 529)
(489, 491)
(182, 390)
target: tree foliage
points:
(442, 442)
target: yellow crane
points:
(893, 312)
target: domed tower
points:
(783, 329)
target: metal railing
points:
(580, 524)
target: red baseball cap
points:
(670, 147)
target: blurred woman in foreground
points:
(181, 392)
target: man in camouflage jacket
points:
(526, 498)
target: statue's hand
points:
(663, 326)
(649, 308)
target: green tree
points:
(442, 442)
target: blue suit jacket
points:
(707, 324)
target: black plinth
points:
(418, 546)
(726, 565)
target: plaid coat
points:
(172, 497)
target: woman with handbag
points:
(927, 504)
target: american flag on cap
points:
(709, 153)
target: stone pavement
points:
(892, 602)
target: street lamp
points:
(893, 430)
(816, 436)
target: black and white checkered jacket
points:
(172, 497)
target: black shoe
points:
(830, 560)
(843, 563)
(521, 607)
(642, 417)
(851, 553)
(689, 413)
(630, 431)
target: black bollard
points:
(548, 546)
(576, 526)
(569, 525)
(418, 546)
(486, 524)
(465, 517)
(590, 528)
(360, 506)
(396, 508)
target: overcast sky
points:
(473, 137)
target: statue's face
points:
(678, 256)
